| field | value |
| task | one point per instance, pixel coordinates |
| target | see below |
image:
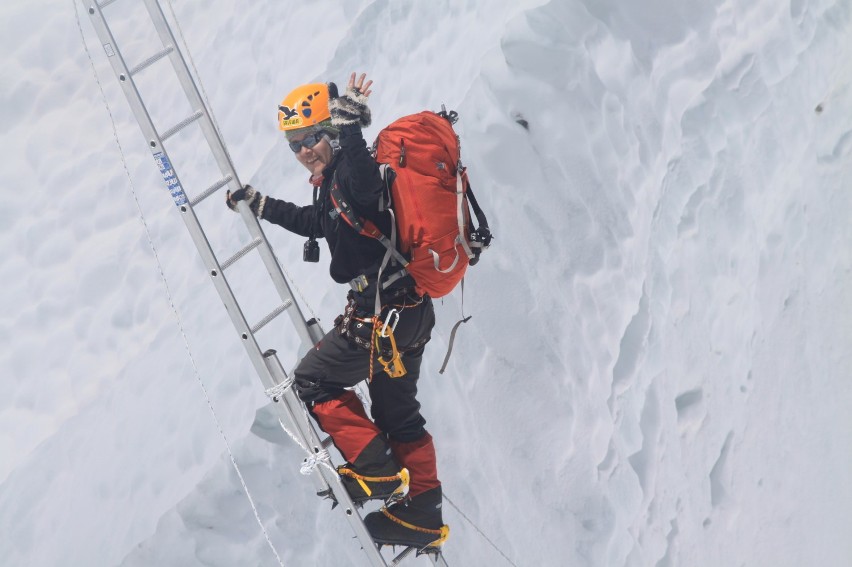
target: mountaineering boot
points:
(374, 474)
(370, 471)
(414, 522)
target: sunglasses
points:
(308, 141)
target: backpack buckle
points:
(481, 237)
(360, 283)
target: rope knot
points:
(312, 461)
(276, 392)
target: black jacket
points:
(361, 182)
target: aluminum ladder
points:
(276, 381)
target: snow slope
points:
(656, 372)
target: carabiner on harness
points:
(393, 367)
(393, 315)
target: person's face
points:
(314, 151)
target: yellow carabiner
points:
(393, 367)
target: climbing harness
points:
(382, 344)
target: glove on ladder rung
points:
(278, 311)
(245, 250)
(181, 125)
(151, 60)
(212, 189)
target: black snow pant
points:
(342, 360)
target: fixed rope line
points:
(169, 294)
(485, 537)
(322, 457)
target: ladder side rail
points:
(190, 220)
(273, 268)
(196, 232)
(226, 167)
(203, 246)
(330, 476)
(189, 87)
(270, 376)
(133, 96)
(290, 410)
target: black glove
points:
(351, 108)
(253, 199)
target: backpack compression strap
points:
(461, 183)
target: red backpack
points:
(430, 197)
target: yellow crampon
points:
(443, 532)
(398, 494)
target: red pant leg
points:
(419, 458)
(346, 421)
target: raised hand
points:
(351, 108)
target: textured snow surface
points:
(657, 372)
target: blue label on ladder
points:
(172, 182)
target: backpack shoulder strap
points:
(388, 176)
(342, 207)
(365, 227)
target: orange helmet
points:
(305, 106)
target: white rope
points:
(312, 461)
(169, 295)
(485, 537)
(276, 392)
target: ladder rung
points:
(151, 60)
(105, 3)
(245, 250)
(181, 125)
(278, 311)
(212, 189)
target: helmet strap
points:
(333, 142)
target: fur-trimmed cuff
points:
(351, 108)
(260, 207)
